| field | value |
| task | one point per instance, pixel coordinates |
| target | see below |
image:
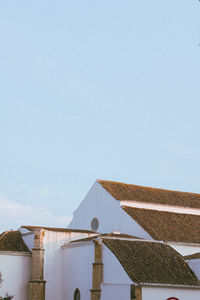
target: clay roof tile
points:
(130, 192)
(12, 241)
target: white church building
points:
(124, 242)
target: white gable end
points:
(99, 204)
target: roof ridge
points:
(145, 187)
(5, 232)
(2, 234)
(130, 192)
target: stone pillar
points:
(138, 293)
(37, 282)
(97, 271)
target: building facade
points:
(124, 242)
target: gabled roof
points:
(33, 228)
(167, 226)
(12, 241)
(151, 262)
(122, 191)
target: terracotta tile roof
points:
(192, 256)
(32, 228)
(12, 241)
(167, 226)
(123, 191)
(151, 262)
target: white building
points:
(123, 267)
(15, 265)
(138, 252)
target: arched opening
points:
(77, 295)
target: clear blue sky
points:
(95, 89)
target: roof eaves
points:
(170, 285)
(16, 253)
(101, 181)
(124, 191)
(56, 229)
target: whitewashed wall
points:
(53, 261)
(113, 272)
(194, 264)
(77, 273)
(115, 292)
(116, 283)
(185, 249)
(28, 237)
(16, 273)
(156, 293)
(99, 203)
(77, 261)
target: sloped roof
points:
(151, 262)
(122, 191)
(32, 228)
(12, 241)
(167, 226)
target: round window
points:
(95, 224)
